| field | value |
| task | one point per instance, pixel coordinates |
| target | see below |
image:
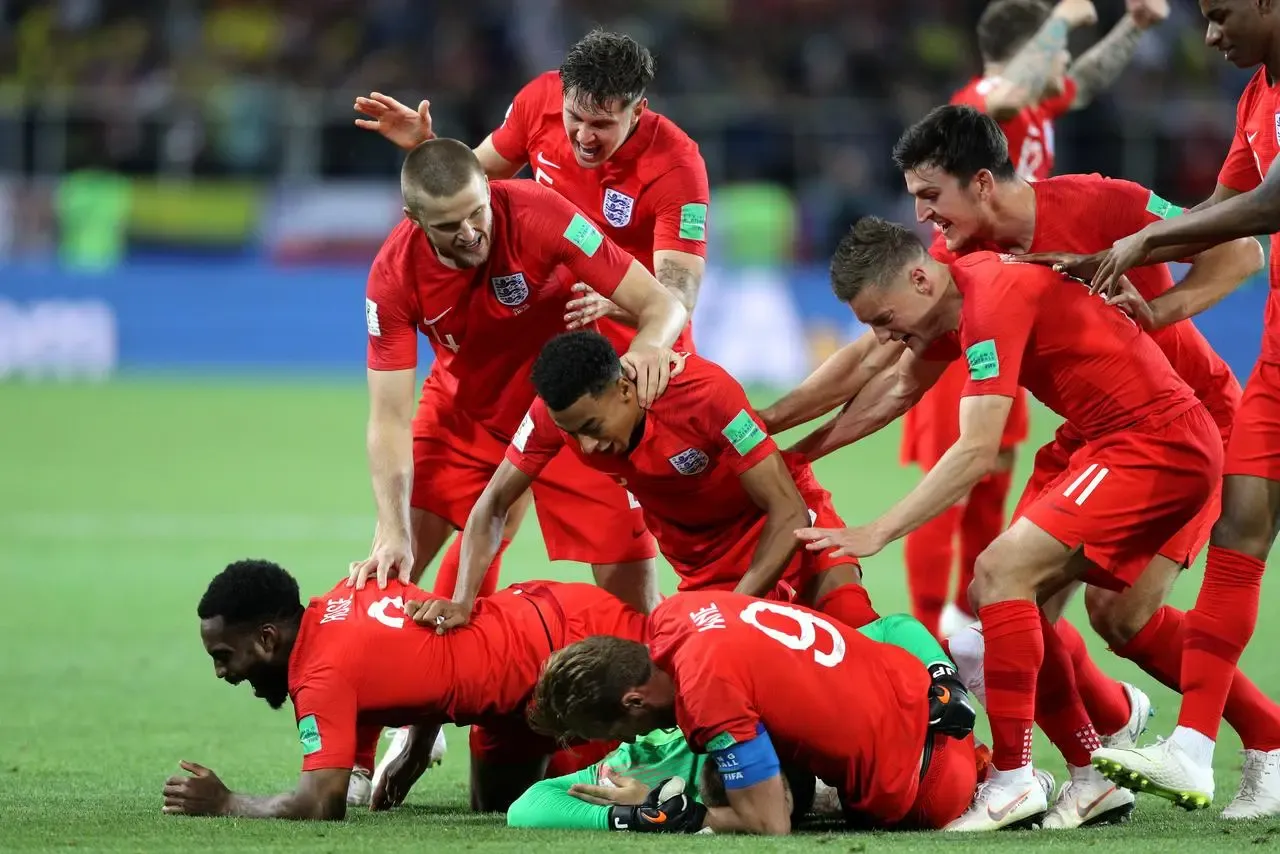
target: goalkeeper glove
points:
(667, 809)
(950, 710)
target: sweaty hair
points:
(1006, 25)
(872, 252)
(960, 141)
(438, 168)
(604, 67)
(579, 693)
(574, 364)
(251, 591)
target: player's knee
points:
(1245, 530)
(995, 578)
(1107, 616)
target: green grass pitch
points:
(119, 502)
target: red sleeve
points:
(1241, 170)
(1059, 104)
(390, 313)
(938, 249)
(736, 431)
(511, 139)
(325, 706)
(996, 324)
(566, 234)
(1129, 207)
(536, 441)
(680, 201)
(710, 703)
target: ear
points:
(626, 389)
(984, 183)
(640, 107)
(920, 281)
(632, 700)
(412, 217)
(268, 637)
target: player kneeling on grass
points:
(749, 681)
(615, 793)
(720, 498)
(353, 661)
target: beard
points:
(270, 686)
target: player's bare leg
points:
(495, 786)
(838, 592)
(634, 582)
(1218, 628)
(430, 533)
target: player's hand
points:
(397, 122)
(1068, 263)
(590, 306)
(200, 793)
(1133, 304)
(1147, 13)
(625, 791)
(651, 368)
(403, 771)
(862, 541)
(667, 809)
(391, 554)
(1125, 254)
(1077, 13)
(438, 614)
(950, 710)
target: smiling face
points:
(460, 227)
(256, 654)
(1242, 30)
(596, 131)
(905, 307)
(960, 211)
(603, 423)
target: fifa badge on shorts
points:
(510, 290)
(617, 208)
(690, 461)
(1277, 128)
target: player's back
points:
(853, 711)
(360, 645)
(1030, 132)
(1087, 361)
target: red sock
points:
(928, 554)
(981, 522)
(447, 575)
(1103, 697)
(1015, 650)
(1158, 649)
(850, 604)
(1059, 711)
(367, 747)
(1217, 630)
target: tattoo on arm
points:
(1101, 64)
(1030, 67)
(681, 281)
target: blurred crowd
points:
(795, 97)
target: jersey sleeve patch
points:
(521, 438)
(371, 317)
(723, 741)
(582, 234)
(743, 433)
(693, 222)
(309, 735)
(747, 763)
(1157, 206)
(983, 362)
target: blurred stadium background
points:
(186, 218)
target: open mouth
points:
(587, 152)
(473, 245)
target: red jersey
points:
(1023, 324)
(652, 194)
(1253, 150)
(359, 664)
(852, 711)
(1087, 214)
(487, 324)
(696, 440)
(1030, 132)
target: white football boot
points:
(1140, 713)
(359, 787)
(399, 740)
(1001, 802)
(953, 620)
(826, 801)
(1088, 799)
(968, 649)
(1259, 795)
(1163, 769)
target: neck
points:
(949, 306)
(1013, 216)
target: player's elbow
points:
(1248, 256)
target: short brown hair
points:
(438, 168)
(1006, 25)
(603, 67)
(579, 693)
(872, 252)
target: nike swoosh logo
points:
(1249, 137)
(1088, 808)
(436, 319)
(545, 162)
(998, 815)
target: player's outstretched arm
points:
(1214, 273)
(774, 491)
(482, 536)
(1098, 67)
(1022, 81)
(390, 448)
(759, 809)
(660, 317)
(548, 805)
(407, 128)
(836, 381)
(320, 795)
(681, 273)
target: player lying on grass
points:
(343, 661)
(716, 492)
(607, 795)
(756, 684)
(1149, 460)
(587, 134)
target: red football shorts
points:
(586, 516)
(454, 457)
(577, 611)
(726, 571)
(1254, 449)
(947, 787)
(1125, 496)
(933, 425)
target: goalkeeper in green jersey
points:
(611, 794)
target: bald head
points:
(446, 194)
(438, 169)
